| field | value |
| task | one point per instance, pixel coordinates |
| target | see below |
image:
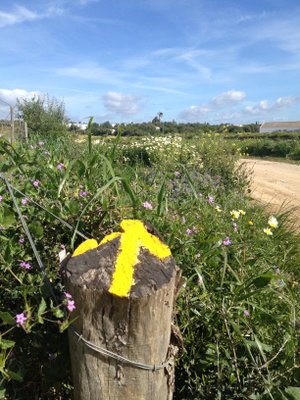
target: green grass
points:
(239, 309)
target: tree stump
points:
(124, 290)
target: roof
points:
(281, 125)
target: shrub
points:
(238, 310)
(44, 115)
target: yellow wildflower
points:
(235, 214)
(268, 231)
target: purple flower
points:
(21, 240)
(148, 205)
(67, 295)
(25, 265)
(83, 194)
(1, 198)
(210, 199)
(191, 231)
(246, 314)
(227, 241)
(60, 166)
(20, 319)
(36, 183)
(71, 305)
(24, 201)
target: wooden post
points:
(25, 131)
(124, 290)
(12, 125)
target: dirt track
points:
(275, 184)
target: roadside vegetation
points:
(238, 311)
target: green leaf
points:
(57, 312)
(262, 280)
(15, 375)
(64, 326)
(6, 344)
(2, 394)
(293, 393)
(41, 310)
(36, 228)
(73, 206)
(8, 219)
(64, 180)
(160, 199)
(7, 318)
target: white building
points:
(268, 127)
(81, 126)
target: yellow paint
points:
(85, 246)
(133, 237)
(110, 237)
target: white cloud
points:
(121, 104)
(223, 100)
(19, 14)
(228, 98)
(194, 112)
(10, 96)
(265, 107)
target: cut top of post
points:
(130, 263)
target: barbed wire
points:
(87, 343)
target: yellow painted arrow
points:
(134, 236)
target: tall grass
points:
(238, 311)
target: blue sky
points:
(210, 61)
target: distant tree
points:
(44, 115)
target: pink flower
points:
(177, 174)
(71, 305)
(25, 265)
(1, 198)
(83, 194)
(235, 227)
(227, 241)
(21, 240)
(24, 201)
(246, 314)
(36, 183)
(148, 205)
(210, 199)
(20, 319)
(191, 231)
(60, 166)
(67, 295)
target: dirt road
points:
(275, 184)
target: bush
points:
(239, 309)
(44, 115)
